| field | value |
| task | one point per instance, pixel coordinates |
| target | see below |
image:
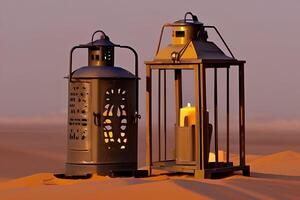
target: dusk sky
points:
(36, 37)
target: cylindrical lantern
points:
(102, 113)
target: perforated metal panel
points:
(118, 129)
(79, 117)
(115, 111)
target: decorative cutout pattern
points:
(78, 114)
(115, 113)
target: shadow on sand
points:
(275, 176)
(213, 191)
(257, 186)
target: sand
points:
(31, 156)
(258, 186)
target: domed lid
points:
(91, 72)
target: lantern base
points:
(213, 170)
(110, 169)
(129, 173)
(117, 169)
(73, 170)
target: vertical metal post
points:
(242, 114)
(149, 118)
(202, 134)
(159, 113)
(198, 136)
(203, 119)
(216, 113)
(227, 114)
(178, 94)
(165, 111)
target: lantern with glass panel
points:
(181, 138)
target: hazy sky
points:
(36, 36)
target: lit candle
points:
(188, 112)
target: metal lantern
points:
(190, 50)
(102, 113)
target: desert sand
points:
(31, 155)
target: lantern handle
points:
(71, 59)
(194, 17)
(99, 31)
(162, 32)
(135, 57)
(219, 34)
(136, 63)
(212, 27)
(161, 35)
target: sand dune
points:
(282, 163)
(274, 176)
(28, 149)
(30, 155)
(17, 163)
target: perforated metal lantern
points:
(102, 113)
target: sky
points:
(37, 35)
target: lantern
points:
(191, 50)
(102, 113)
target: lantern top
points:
(103, 41)
(90, 72)
(101, 60)
(186, 30)
(193, 21)
(189, 43)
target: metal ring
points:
(98, 31)
(194, 17)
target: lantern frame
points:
(201, 168)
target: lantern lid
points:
(194, 50)
(185, 21)
(92, 72)
(189, 41)
(102, 41)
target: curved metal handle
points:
(212, 27)
(219, 34)
(82, 46)
(71, 59)
(136, 63)
(160, 39)
(194, 17)
(162, 32)
(99, 31)
(135, 57)
(161, 35)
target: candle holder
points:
(190, 50)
